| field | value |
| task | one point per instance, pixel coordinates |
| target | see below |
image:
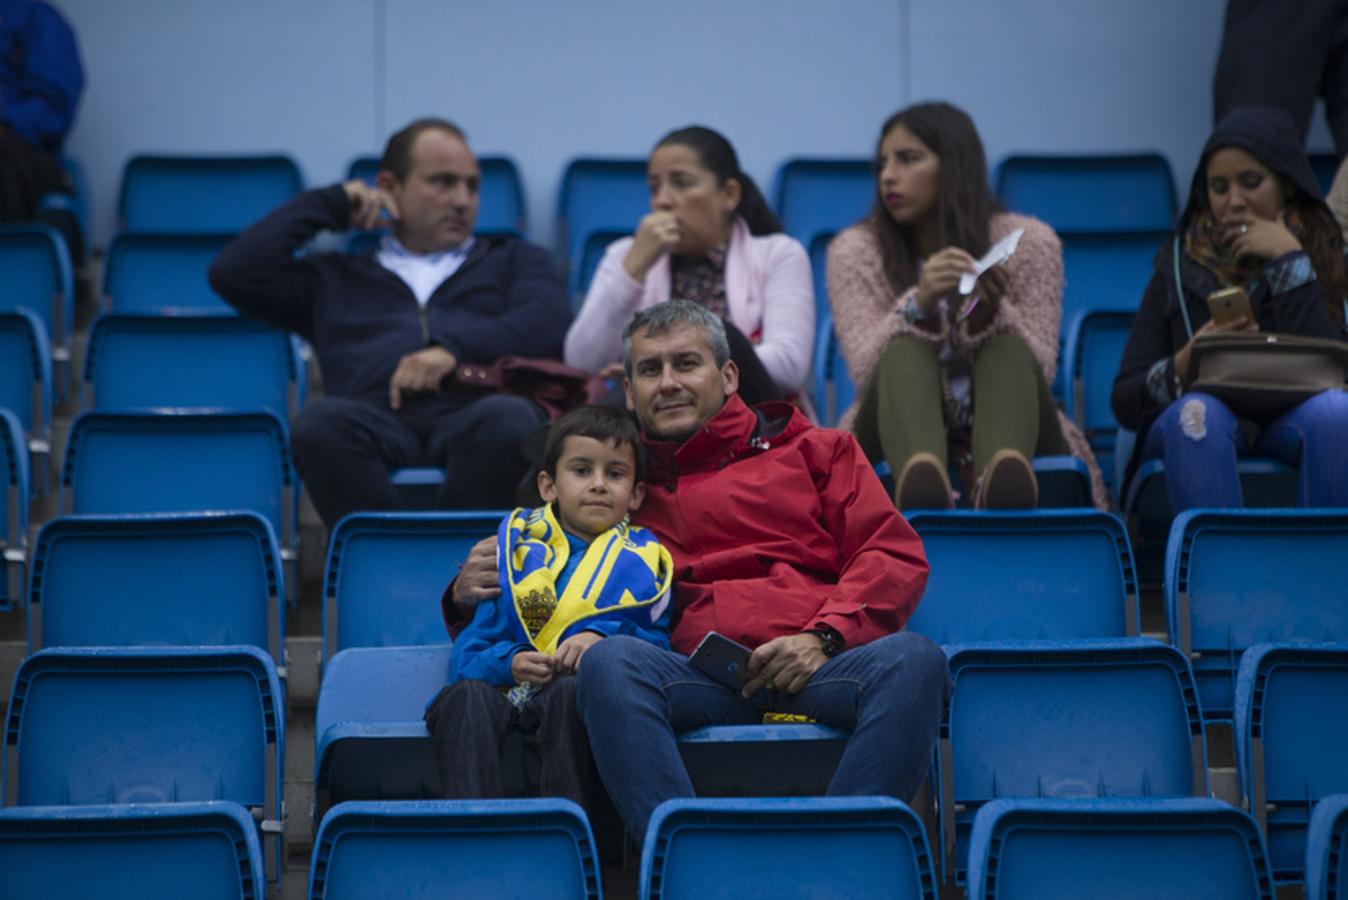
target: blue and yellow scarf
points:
(623, 573)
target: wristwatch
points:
(833, 642)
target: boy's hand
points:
(531, 667)
(572, 649)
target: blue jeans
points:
(1199, 439)
(635, 698)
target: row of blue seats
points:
(1048, 720)
(701, 849)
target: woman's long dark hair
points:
(964, 204)
(718, 156)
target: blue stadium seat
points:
(120, 463)
(1094, 348)
(598, 195)
(707, 849)
(1235, 578)
(150, 361)
(1039, 575)
(386, 572)
(157, 579)
(820, 197)
(204, 194)
(26, 385)
(773, 760)
(206, 851)
(1327, 849)
(75, 206)
(818, 250)
(1091, 193)
(15, 486)
(432, 849)
(1325, 166)
(148, 725)
(501, 207)
(591, 255)
(1064, 719)
(1291, 728)
(157, 272)
(1159, 849)
(38, 277)
(370, 740)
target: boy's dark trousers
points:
(470, 720)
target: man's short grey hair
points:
(662, 317)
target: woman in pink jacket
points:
(709, 238)
(941, 374)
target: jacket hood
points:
(1270, 137)
(735, 431)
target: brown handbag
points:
(1260, 376)
(553, 385)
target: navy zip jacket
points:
(508, 298)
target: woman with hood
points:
(1255, 219)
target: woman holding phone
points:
(944, 374)
(1255, 220)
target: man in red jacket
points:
(784, 540)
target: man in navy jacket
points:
(390, 328)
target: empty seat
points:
(26, 383)
(591, 255)
(14, 489)
(371, 741)
(1327, 850)
(500, 207)
(206, 851)
(1159, 849)
(1091, 193)
(1040, 575)
(38, 277)
(180, 462)
(769, 760)
(1291, 728)
(204, 194)
(150, 361)
(707, 849)
(386, 572)
(598, 195)
(817, 197)
(432, 849)
(158, 272)
(147, 725)
(1094, 348)
(1234, 578)
(833, 391)
(157, 579)
(1064, 719)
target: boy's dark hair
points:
(602, 423)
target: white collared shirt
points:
(422, 272)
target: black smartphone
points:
(722, 660)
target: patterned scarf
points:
(1203, 243)
(624, 573)
(701, 280)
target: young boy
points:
(572, 571)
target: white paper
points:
(1000, 252)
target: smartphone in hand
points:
(1228, 305)
(722, 660)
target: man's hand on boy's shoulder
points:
(572, 649)
(531, 667)
(477, 579)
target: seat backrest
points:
(25, 371)
(591, 255)
(501, 206)
(718, 847)
(145, 725)
(1291, 726)
(1065, 719)
(1161, 849)
(1107, 270)
(420, 850)
(14, 496)
(1091, 193)
(182, 361)
(207, 851)
(1095, 342)
(1041, 575)
(1234, 578)
(1325, 166)
(38, 277)
(157, 272)
(204, 194)
(386, 572)
(598, 195)
(816, 197)
(1327, 849)
(833, 391)
(157, 579)
(120, 463)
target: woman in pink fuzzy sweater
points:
(942, 375)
